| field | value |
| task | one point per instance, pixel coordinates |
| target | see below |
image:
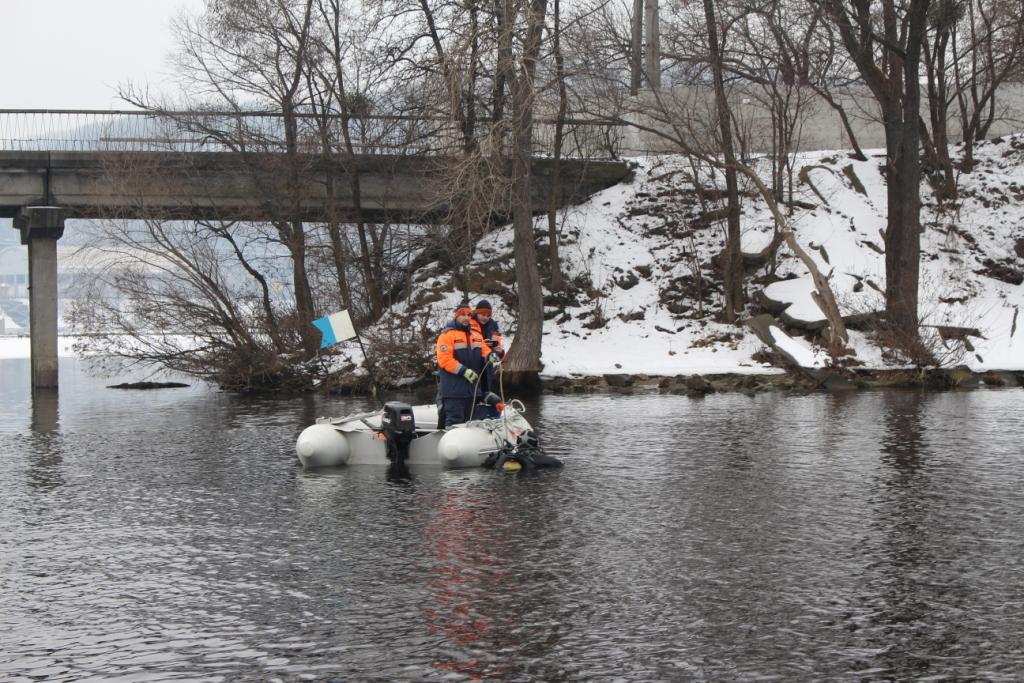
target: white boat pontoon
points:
(401, 434)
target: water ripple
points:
(848, 537)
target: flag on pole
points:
(336, 327)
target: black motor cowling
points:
(398, 425)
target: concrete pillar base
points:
(41, 227)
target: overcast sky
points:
(73, 54)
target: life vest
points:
(457, 349)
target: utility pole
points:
(653, 45)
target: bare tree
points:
(555, 191)
(195, 296)
(732, 260)
(821, 62)
(986, 51)
(336, 107)
(886, 48)
(523, 357)
(258, 49)
(943, 17)
(763, 61)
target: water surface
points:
(170, 535)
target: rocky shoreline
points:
(801, 381)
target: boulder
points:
(998, 378)
(619, 381)
(632, 315)
(830, 380)
(698, 386)
(627, 281)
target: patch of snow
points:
(799, 351)
(796, 294)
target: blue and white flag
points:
(336, 327)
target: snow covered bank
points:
(644, 289)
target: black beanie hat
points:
(483, 305)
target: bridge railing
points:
(210, 131)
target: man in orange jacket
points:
(461, 356)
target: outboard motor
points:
(399, 428)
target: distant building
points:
(8, 326)
(13, 272)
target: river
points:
(171, 535)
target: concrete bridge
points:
(233, 186)
(60, 165)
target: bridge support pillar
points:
(41, 227)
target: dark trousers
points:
(457, 410)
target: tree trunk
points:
(902, 230)
(505, 19)
(822, 295)
(895, 84)
(296, 237)
(636, 47)
(938, 111)
(303, 294)
(523, 359)
(554, 262)
(653, 45)
(732, 260)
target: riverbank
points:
(642, 292)
(794, 380)
(800, 381)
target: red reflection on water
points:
(462, 537)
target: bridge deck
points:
(234, 186)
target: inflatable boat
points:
(405, 435)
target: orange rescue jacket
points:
(457, 349)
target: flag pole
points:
(339, 327)
(369, 365)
